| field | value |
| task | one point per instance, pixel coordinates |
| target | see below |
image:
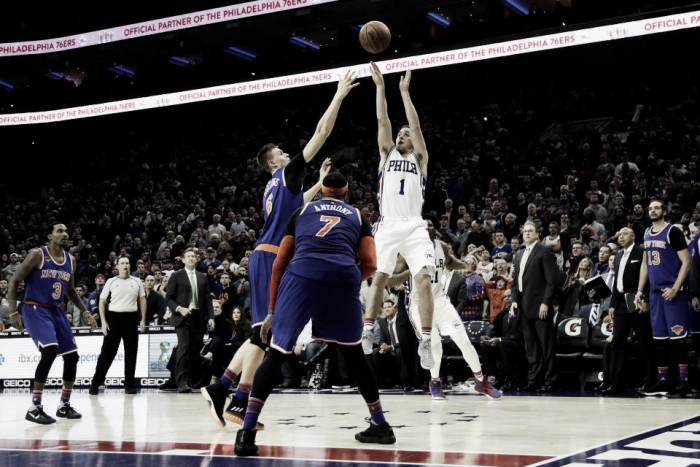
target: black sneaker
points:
(37, 415)
(380, 434)
(680, 390)
(130, 390)
(245, 443)
(169, 385)
(235, 413)
(660, 388)
(216, 395)
(94, 390)
(66, 411)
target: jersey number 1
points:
(401, 189)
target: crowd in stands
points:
(497, 161)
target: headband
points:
(333, 191)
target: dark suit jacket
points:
(453, 288)
(539, 281)
(630, 281)
(384, 336)
(180, 294)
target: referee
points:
(122, 303)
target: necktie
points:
(593, 317)
(523, 261)
(193, 283)
(623, 263)
(392, 335)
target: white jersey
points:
(437, 280)
(401, 186)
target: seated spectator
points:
(495, 293)
(73, 311)
(472, 292)
(386, 355)
(503, 355)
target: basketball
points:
(375, 37)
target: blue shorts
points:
(260, 271)
(669, 319)
(49, 326)
(333, 307)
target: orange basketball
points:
(375, 37)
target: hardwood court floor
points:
(306, 428)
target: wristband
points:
(270, 313)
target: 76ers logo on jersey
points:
(429, 255)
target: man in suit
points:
(388, 354)
(190, 300)
(503, 354)
(628, 262)
(534, 287)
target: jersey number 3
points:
(330, 221)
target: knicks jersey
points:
(278, 204)
(327, 235)
(48, 284)
(436, 280)
(663, 262)
(401, 186)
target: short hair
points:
(264, 154)
(432, 218)
(51, 226)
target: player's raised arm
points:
(419, 147)
(384, 139)
(327, 121)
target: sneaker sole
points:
(233, 418)
(68, 418)
(439, 398)
(362, 439)
(489, 395)
(205, 395)
(34, 420)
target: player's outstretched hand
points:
(377, 76)
(347, 83)
(16, 321)
(405, 81)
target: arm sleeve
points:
(366, 251)
(294, 173)
(677, 239)
(284, 256)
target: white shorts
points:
(446, 320)
(405, 235)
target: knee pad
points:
(70, 366)
(48, 355)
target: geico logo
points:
(573, 327)
(83, 381)
(115, 381)
(16, 383)
(54, 382)
(606, 329)
(152, 381)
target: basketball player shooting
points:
(403, 168)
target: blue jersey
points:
(327, 236)
(663, 263)
(278, 204)
(47, 285)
